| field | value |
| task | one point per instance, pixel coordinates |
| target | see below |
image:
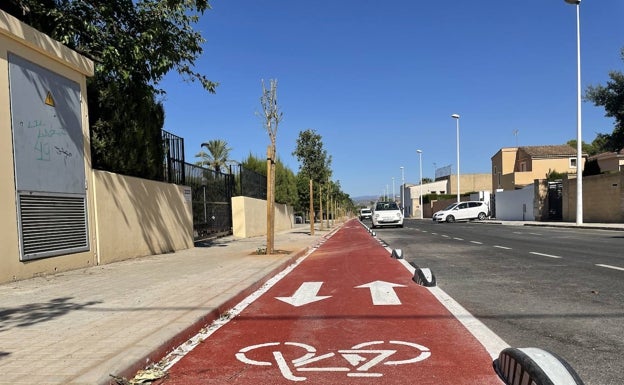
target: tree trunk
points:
(311, 207)
(270, 202)
(321, 206)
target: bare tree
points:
(272, 116)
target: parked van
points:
(463, 211)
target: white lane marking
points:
(610, 267)
(458, 239)
(545, 255)
(490, 340)
(176, 355)
(502, 247)
(382, 292)
(434, 233)
(476, 242)
(445, 236)
(305, 294)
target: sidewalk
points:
(572, 225)
(79, 327)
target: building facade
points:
(516, 167)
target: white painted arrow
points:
(382, 292)
(307, 293)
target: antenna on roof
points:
(515, 132)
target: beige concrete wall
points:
(503, 163)
(603, 198)
(138, 217)
(24, 41)
(470, 183)
(249, 217)
(541, 167)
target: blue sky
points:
(380, 79)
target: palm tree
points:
(217, 155)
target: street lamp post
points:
(456, 117)
(402, 191)
(420, 167)
(579, 141)
(393, 191)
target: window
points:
(523, 167)
(572, 162)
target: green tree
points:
(589, 149)
(285, 185)
(611, 97)
(554, 175)
(217, 156)
(256, 164)
(134, 44)
(285, 179)
(314, 164)
(591, 168)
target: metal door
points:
(48, 142)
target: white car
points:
(365, 213)
(463, 210)
(387, 214)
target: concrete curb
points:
(597, 226)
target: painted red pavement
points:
(342, 338)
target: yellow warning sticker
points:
(49, 100)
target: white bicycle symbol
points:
(361, 357)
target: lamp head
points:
(573, 2)
(419, 151)
(455, 116)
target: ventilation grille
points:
(52, 225)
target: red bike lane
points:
(347, 314)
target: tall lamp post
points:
(579, 141)
(456, 117)
(420, 167)
(393, 191)
(402, 191)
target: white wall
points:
(515, 205)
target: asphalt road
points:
(553, 288)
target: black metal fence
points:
(211, 200)
(250, 183)
(174, 171)
(211, 191)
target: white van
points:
(463, 210)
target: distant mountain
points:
(365, 200)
